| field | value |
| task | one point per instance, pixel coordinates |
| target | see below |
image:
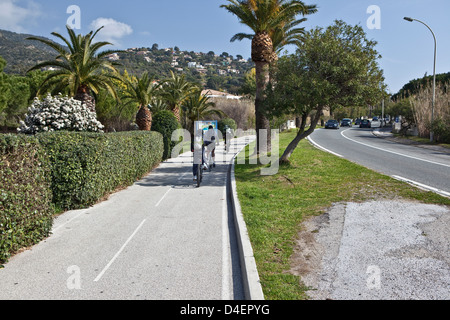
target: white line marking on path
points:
(119, 252)
(393, 152)
(69, 221)
(323, 149)
(225, 249)
(423, 186)
(164, 196)
(180, 178)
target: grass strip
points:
(274, 207)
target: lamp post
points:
(434, 74)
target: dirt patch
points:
(375, 250)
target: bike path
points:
(160, 239)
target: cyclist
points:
(210, 144)
(198, 149)
(228, 135)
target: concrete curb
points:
(250, 276)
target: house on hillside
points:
(219, 94)
(113, 57)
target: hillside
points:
(413, 86)
(21, 54)
(218, 72)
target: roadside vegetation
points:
(274, 207)
(414, 106)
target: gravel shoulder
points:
(377, 250)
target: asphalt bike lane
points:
(160, 239)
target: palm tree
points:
(266, 18)
(142, 92)
(158, 104)
(198, 106)
(288, 34)
(175, 91)
(79, 66)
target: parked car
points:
(357, 122)
(346, 122)
(365, 124)
(332, 124)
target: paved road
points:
(427, 167)
(161, 238)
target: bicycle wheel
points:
(199, 175)
(210, 162)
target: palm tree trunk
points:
(262, 80)
(83, 95)
(144, 118)
(177, 113)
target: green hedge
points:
(25, 197)
(165, 123)
(87, 166)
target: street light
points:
(434, 74)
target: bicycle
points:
(209, 162)
(199, 175)
(201, 167)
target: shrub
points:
(165, 123)
(59, 113)
(226, 122)
(441, 128)
(85, 167)
(25, 196)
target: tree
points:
(141, 92)
(249, 87)
(332, 68)
(288, 34)
(78, 68)
(263, 17)
(175, 91)
(4, 86)
(116, 114)
(198, 106)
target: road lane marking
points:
(69, 221)
(322, 148)
(393, 152)
(423, 186)
(164, 196)
(119, 252)
(225, 248)
(181, 178)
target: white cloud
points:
(113, 30)
(13, 15)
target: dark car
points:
(346, 122)
(358, 122)
(365, 124)
(332, 124)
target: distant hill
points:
(21, 54)
(218, 72)
(415, 85)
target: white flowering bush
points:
(59, 113)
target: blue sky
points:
(201, 25)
